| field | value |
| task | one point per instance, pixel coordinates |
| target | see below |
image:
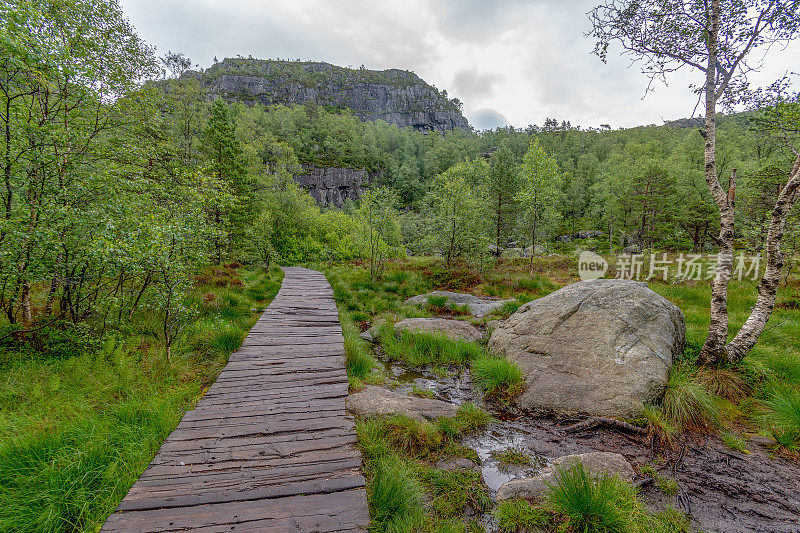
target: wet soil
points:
(720, 489)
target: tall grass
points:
(358, 355)
(782, 415)
(688, 404)
(418, 349)
(395, 497)
(77, 430)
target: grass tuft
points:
(517, 516)
(395, 497)
(498, 378)
(688, 404)
(587, 503)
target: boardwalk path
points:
(269, 447)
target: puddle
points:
(454, 387)
(500, 437)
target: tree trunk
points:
(768, 287)
(714, 347)
(27, 314)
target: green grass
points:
(358, 354)
(418, 349)
(688, 404)
(734, 441)
(782, 416)
(583, 502)
(78, 426)
(395, 497)
(517, 516)
(667, 485)
(512, 457)
(497, 378)
(471, 418)
(455, 492)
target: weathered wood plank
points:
(269, 447)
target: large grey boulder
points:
(476, 305)
(600, 347)
(596, 463)
(374, 401)
(454, 329)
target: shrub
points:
(585, 503)
(498, 378)
(395, 497)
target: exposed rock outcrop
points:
(396, 96)
(601, 347)
(374, 401)
(596, 463)
(476, 305)
(454, 329)
(333, 185)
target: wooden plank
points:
(270, 446)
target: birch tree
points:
(539, 192)
(716, 38)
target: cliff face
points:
(333, 185)
(395, 96)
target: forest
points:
(144, 219)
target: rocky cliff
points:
(395, 96)
(333, 185)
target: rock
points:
(373, 401)
(632, 249)
(601, 347)
(368, 336)
(493, 325)
(476, 305)
(596, 463)
(761, 440)
(395, 96)
(456, 463)
(589, 234)
(455, 329)
(334, 185)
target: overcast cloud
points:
(511, 62)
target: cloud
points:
(473, 84)
(487, 119)
(509, 61)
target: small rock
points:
(476, 305)
(761, 440)
(454, 329)
(367, 335)
(455, 464)
(373, 401)
(596, 463)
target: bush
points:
(498, 378)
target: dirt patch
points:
(720, 489)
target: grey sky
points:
(510, 61)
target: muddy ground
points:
(720, 489)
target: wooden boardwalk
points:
(270, 446)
